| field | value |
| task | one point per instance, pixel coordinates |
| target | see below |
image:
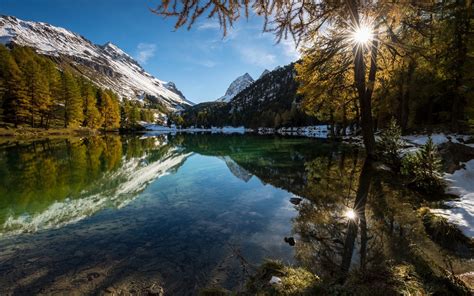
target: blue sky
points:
(201, 62)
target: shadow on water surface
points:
(178, 213)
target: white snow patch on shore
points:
(314, 131)
(461, 213)
(174, 129)
(438, 139)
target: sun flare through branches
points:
(350, 214)
(361, 35)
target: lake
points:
(135, 213)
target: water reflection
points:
(49, 184)
(134, 214)
(357, 225)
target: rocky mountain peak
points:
(238, 85)
(265, 72)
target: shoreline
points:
(28, 132)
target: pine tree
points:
(390, 143)
(430, 160)
(424, 167)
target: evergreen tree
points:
(424, 167)
(390, 144)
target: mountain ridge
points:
(106, 65)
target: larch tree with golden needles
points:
(354, 28)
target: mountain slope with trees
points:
(271, 101)
(35, 93)
(106, 65)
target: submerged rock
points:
(290, 240)
(295, 200)
(155, 289)
(275, 280)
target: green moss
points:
(214, 292)
(406, 281)
(294, 280)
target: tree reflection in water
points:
(322, 181)
(357, 225)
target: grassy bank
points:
(23, 133)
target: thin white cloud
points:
(145, 51)
(256, 55)
(289, 49)
(209, 25)
(199, 61)
(205, 63)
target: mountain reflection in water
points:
(124, 214)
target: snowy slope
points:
(238, 85)
(461, 211)
(107, 65)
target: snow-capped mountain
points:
(107, 65)
(238, 85)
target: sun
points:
(350, 214)
(362, 34)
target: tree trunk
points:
(344, 121)
(364, 93)
(406, 95)
(461, 31)
(369, 139)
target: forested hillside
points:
(34, 92)
(271, 101)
